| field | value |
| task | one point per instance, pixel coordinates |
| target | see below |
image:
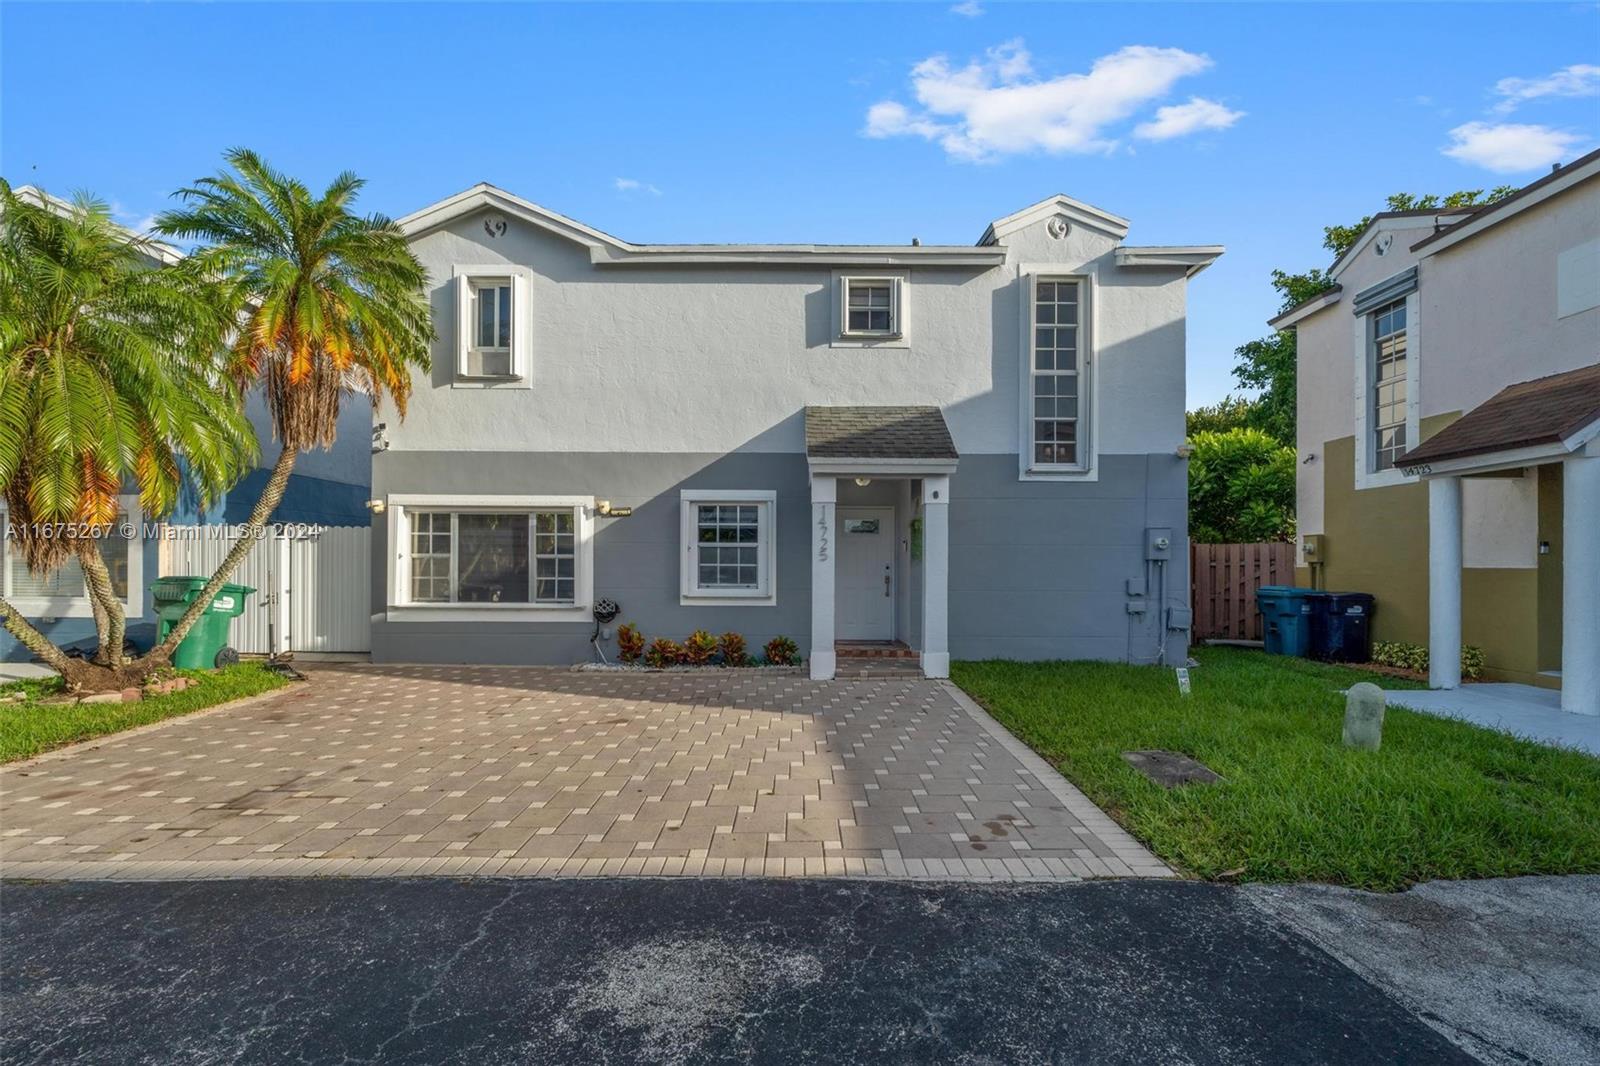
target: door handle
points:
(886, 582)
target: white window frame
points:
(1086, 468)
(690, 592)
(467, 277)
(36, 607)
(401, 608)
(1364, 358)
(898, 335)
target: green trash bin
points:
(1285, 619)
(206, 644)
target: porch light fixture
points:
(863, 481)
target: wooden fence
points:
(1223, 579)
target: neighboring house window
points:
(491, 312)
(492, 553)
(871, 307)
(1056, 377)
(728, 545)
(62, 593)
(1388, 326)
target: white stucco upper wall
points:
(1491, 304)
(716, 358)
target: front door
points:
(864, 595)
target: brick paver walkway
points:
(555, 772)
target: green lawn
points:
(31, 727)
(1442, 799)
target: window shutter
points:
(844, 307)
(521, 319)
(896, 308)
(463, 321)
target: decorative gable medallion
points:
(495, 226)
(1058, 227)
(1381, 245)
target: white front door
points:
(864, 589)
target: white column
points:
(824, 498)
(936, 577)
(1444, 582)
(1580, 584)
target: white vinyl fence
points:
(313, 589)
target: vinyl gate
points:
(315, 589)
(1224, 579)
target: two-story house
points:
(972, 450)
(1449, 405)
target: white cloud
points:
(1580, 79)
(632, 185)
(1178, 120)
(967, 9)
(998, 106)
(1508, 147)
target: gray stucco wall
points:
(1037, 570)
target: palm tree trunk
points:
(270, 496)
(97, 579)
(32, 639)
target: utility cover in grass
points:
(1169, 769)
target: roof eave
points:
(1306, 308)
(1191, 259)
(1490, 215)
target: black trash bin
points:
(1341, 626)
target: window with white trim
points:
(492, 556)
(870, 307)
(1056, 377)
(728, 545)
(62, 593)
(491, 337)
(1387, 346)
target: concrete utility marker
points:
(539, 772)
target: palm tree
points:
(109, 373)
(327, 302)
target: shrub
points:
(1241, 488)
(781, 651)
(733, 652)
(698, 649)
(664, 653)
(1405, 656)
(630, 643)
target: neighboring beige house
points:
(1434, 314)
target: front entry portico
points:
(854, 571)
(1554, 420)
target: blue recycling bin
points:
(1286, 619)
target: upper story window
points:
(489, 355)
(1387, 326)
(1056, 376)
(871, 307)
(491, 336)
(728, 545)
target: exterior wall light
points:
(863, 481)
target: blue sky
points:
(1246, 125)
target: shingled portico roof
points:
(1545, 411)
(904, 433)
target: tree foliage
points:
(109, 375)
(1230, 412)
(1241, 487)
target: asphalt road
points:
(594, 971)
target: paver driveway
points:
(558, 772)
